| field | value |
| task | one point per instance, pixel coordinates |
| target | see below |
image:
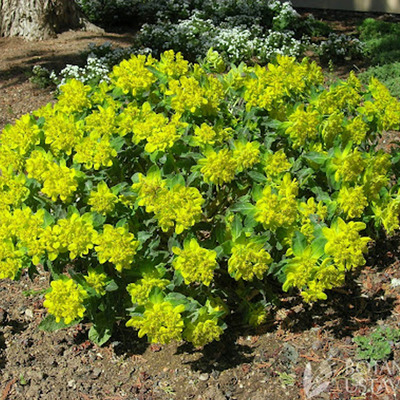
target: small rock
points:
(317, 345)
(29, 313)
(71, 383)
(96, 373)
(204, 377)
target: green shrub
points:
(175, 197)
(388, 74)
(381, 40)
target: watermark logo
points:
(317, 381)
(352, 378)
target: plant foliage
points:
(178, 194)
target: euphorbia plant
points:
(176, 194)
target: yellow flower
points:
(218, 168)
(96, 280)
(195, 263)
(246, 154)
(59, 181)
(162, 323)
(103, 199)
(133, 76)
(276, 163)
(173, 64)
(116, 245)
(95, 152)
(180, 205)
(22, 136)
(74, 234)
(10, 259)
(65, 301)
(204, 331)
(303, 126)
(352, 201)
(278, 208)
(248, 260)
(149, 189)
(61, 133)
(345, 244)
(73, 97)
(141, 289)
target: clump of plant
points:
(41, 76)
(339, 48)
(239, 30)
(175, 197)
(377, 346)
(381, 40)
(110, 12)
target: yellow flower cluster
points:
(248, 260)
(102, 200)
(356, 130)
(116, 245)
(203, 331)
(348, 164)
(195, 263)
(65, 300)
(385, 108)
(207, 135)
(141, 289)
(74, 234)
(345, 245)
(97, 280)
(303, 126)
(306, 272)
(218, 167)
(95, 152)
(286, 78)
(246, 154)
(133, 76)
(21, 137)
(179, 206)
(173, 64)
(388, 214)
(73, 97)
(332, 128)
(160, 132)
(61, 133)
(278, 208)
(13, 191)
(276, 163)
(10, 259)
(161, 322)
(344, 97)
(352, 201)
(307, 210)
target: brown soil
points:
(271, 363)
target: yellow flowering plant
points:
(172, 198)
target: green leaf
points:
(318, 158)
(100, 331)
(243, 207)
(237, 227)
(299, 243)
(257, 176)
(318, 247)
(49, 324)
(111, 286)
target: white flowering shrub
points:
(339, 47)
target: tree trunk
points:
(41, 19)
